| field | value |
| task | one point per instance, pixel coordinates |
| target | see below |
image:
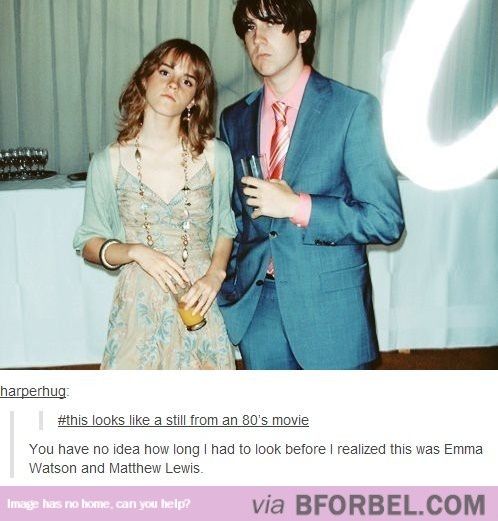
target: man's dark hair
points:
(295, 15)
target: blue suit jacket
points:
(337, 155)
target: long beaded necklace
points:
(185, 238)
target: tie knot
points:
(280, 109)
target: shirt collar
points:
(294, 96)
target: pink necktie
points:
(278, 149)
(279, 141)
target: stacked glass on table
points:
(23, 163)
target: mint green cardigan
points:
(101, 213)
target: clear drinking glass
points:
(8, 158)
(193, 321)
(30, 159)
(44, 157)
(17, 163)
(23, 158)
(255, 166)
(37, 159)
(3, 164)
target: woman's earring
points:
(189, 114)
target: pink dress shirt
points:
(267, 126)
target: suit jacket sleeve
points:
(370, 212)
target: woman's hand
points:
(204, 291)
(159, 266)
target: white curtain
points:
(63, 63)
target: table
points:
(438, 287)
(53, 306)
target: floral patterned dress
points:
(145, 329)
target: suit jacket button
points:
(273, 234)
(259, 283)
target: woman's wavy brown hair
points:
(132, 100)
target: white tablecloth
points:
(53, 306)
(437, 288)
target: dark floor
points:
(468, 358)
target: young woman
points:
(157, 206)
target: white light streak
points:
(413, 71)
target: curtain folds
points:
(63, 63)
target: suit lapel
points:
(250, 123)
(250, 130)
(308, 118)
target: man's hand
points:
(272, 198)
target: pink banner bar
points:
(248, 503)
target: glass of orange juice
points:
(193, 321)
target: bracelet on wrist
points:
(102, 251)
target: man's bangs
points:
(267, 11)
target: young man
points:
(298, 292)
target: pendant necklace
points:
(185, 238)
